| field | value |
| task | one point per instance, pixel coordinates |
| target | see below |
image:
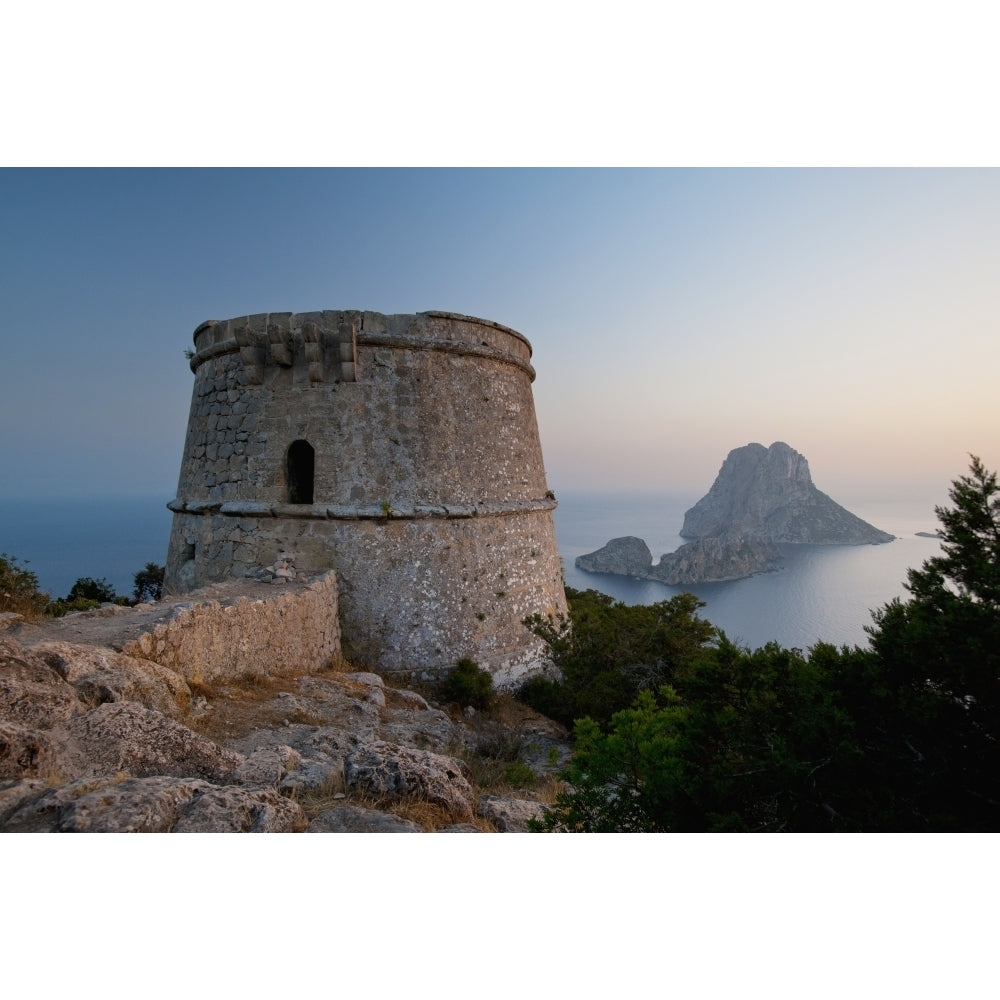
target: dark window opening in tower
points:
(299, 467)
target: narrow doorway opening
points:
(300, 465)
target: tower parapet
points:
(401, 451)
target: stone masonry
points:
(225, 637)
(400, 451)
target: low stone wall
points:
(245, 637)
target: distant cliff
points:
(761, 497)
(769, 492)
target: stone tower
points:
(401, 451)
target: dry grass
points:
(496, 763)
(239, 705)
(431, 816)
(314, 801)
(340, 665)
(495, 778)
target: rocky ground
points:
(92, 739)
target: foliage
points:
(85, 595)
(940, 658)
(148, 583)
(19, 592)
(519, 775)
(970, 540)
(625, 781)
(87, 588)
(747, 741)
(469, 684)
(608, 652)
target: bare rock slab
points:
(101, 675)
(32, 694)
(241, 810)
(384, 768)
(509, 815)
(353, 819)
(155, 805)
(124, 737)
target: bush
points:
(607, 652)
(19, 592)
(519, 775)
(64, 606)
(149, 583)
(546, 697)
(469, 684)
(89, 589)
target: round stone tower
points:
(401, 451)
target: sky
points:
(675, 314)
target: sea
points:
(61, 540)
(823, 593)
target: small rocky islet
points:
(762, 497)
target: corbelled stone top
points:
(279, 338)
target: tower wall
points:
(422, 484)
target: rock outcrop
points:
(769, 493)
(626, 556)
(97, 739)
(509, 815)
(716, 560)
(761, 497)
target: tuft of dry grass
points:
(430, 815)
(339, 665)
(318, 799)
(203, 690)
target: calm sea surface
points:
(822, 593)
(63, 540)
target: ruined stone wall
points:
(223, 639)
(428, 491)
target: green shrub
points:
(64, 606)
(149, 583)
(519, 775)
(547, 697)
(469, 684)
(89, 589)
(607, 652)
(19, 592)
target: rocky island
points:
(761, 497)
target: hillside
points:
(96, 738)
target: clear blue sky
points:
(675, 314)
